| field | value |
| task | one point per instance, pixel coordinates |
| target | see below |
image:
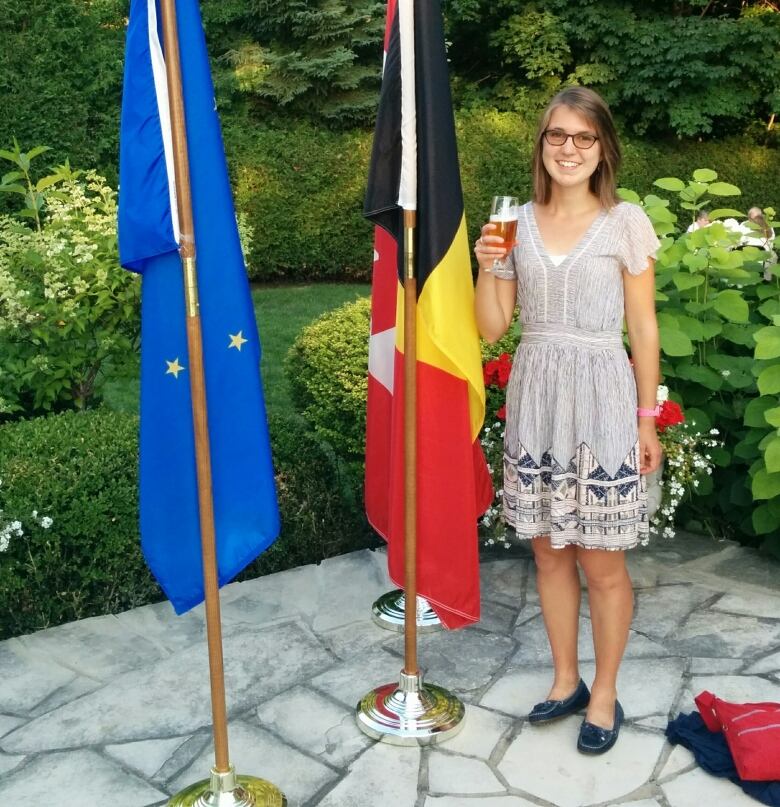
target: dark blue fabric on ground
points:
(713, 755)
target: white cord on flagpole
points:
(407, 192)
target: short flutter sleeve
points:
(639, 241)
(509, 270)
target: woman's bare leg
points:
(558, 584)
(611, 608)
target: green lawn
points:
(281, 312)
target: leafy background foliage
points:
(80, 469)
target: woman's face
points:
(567, 164)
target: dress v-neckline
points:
(580, 246)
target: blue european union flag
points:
(245, 508)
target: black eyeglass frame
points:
(566, 136)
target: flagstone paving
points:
(114, 710)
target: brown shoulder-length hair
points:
(592, 107)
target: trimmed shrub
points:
(322, 512)
(327, 368)
(316, 178)
(79, 469)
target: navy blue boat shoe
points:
(596, 740)
(547, 711)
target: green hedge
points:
(80, 470)
(327, 368)
(316, 178)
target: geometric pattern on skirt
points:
(578, 503)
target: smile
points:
(567, 164)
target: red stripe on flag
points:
(384, 284)
(379, 416)
(392, 6)
(453, 489)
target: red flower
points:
(496, 371)
(501, 414)
(490, 372)
(671, 415)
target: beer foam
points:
(504, 216)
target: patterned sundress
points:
(571, 450)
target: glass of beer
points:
(503, 214)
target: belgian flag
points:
(453, 483)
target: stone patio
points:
(115, 711)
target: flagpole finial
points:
(225, 789)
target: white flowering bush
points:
(493, 530)
(66, 306)
(10, 530)
(687, 461)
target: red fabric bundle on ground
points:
(752, 732)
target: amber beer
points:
(503, 216)
(506, 228)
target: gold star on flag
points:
(174, 368)
(236, 340)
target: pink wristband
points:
(648, 413)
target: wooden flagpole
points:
(410, 446)
(197, 384)
(223, 787)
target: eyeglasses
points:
(581, 140)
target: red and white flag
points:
(414, 166)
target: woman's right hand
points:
(489, 248)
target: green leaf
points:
(47, 182)
(720, 456)
(711, 328)
(33, 153)
(772, 416)
(695, 261)
(14, 189)
(628, 195)
(705, 485)
(657, 213)
(739, 334)
(769, 380)
(770, 308)
(772, 455)
(766, 485)
(766, 291)
(724, 189)
(699, 419)
(685, 281)
(9, 155)
(701, 375)
(674, 342)
(705, 175)
(726, 213)
(691, 327)
(754, 411)
(732, 306)
(746, 450)
(670, 184)
(764, 520)
(768, 342)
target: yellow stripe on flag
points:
(447, 335)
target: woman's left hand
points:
(649, 446)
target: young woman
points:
(580, 423)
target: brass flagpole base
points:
(410, 713)
(229, 790)
(388, 612)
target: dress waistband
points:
(557, 332)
